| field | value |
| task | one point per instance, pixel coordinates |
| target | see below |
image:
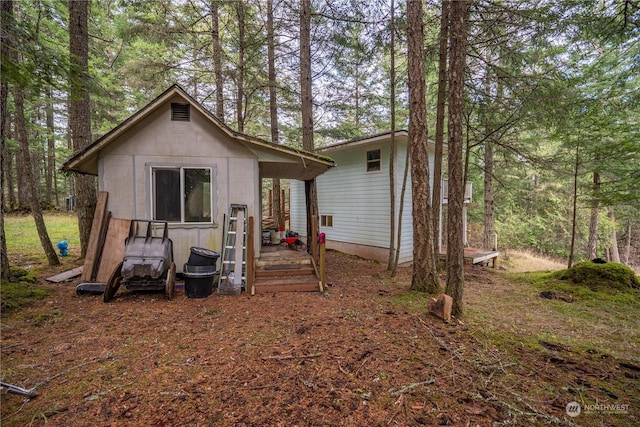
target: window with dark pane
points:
(373, 160)
(166, 194)
(326, 220)
(197, 195)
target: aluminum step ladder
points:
(233, 270)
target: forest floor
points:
(364, 353)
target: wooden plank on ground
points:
(93, 247)
(113, 250)
(65, 275)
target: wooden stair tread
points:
(295, 284)
(286, 280)
(301, 272)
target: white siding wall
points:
(298, 208)
(359, 201)
(406, 243)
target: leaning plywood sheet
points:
(94, 245)
(113, 250)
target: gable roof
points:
(289, 162)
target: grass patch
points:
(23, 243)
(412, 301)
(596, 314)
(40, 318)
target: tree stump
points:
(441, 307)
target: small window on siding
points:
(326, 220)
(180, 112)
(373, 161)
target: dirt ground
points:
(364, 353)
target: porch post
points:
(250, 258)
(311, 199)
(314, 240)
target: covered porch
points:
(279, 266)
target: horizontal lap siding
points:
(298, 210)
(358, 201)
(406, 242)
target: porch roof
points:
(275, 161)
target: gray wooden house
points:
(173, 160)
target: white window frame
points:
(182, 169)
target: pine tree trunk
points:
(403, 193)
(307, 113)
(79, 115)
(627, 248)
(615, 253)
(7, 169)
(278, 215)
(592, 244)
(391, 266)
(51, 154)
(6, 10)
(21, 179)
(439, 137)
(489, 219)
(455, 232)
(33, 196)
(217, 59)
(424, 277)
(240, 66)
(575, 207)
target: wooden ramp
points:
(282, 269)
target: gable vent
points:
(180, 112)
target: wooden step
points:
(292, 284)
(262, 262)
(284, 272)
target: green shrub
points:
(608, 276)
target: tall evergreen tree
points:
(440, 119)
(455, 243)
(6, 18)
(79, 114)
(307, 114)
(424, 276)
(278, 215)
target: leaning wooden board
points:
(113, 249)
(93, 247)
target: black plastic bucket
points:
(203, 256)
(198, 280)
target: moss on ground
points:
(21, 290)
(601, 277)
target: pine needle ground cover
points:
(363, 353)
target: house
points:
(354, 198)
(173, 160)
